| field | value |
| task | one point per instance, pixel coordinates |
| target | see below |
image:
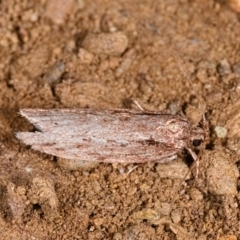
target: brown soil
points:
(174, 56)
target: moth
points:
(118, 135)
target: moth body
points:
(117, 135)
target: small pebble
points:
(221, 175)
(235, 5)
(176, 216)
(220, 131)
(55, 73)
(110, 44)
(172, 170)
(228, 237)
(236, 68)
(57, 10)
(85, 57)
(196, 195)
(147, 214)
(128, 59)
(224, 67)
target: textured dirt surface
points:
(173, 56)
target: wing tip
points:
(22, 136)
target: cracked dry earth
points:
(176, 56)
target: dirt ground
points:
(176, 56)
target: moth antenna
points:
(175, 193)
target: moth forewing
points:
(116, 135)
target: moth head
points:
(197, 142)
(198, 137)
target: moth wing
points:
(90, 135)
(58, 145)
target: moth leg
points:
(167, 159)
(138, 105)
(197, 168)
(163, 160)
(204, 119)
(196, 160)
(130, 170)
(195, 163)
